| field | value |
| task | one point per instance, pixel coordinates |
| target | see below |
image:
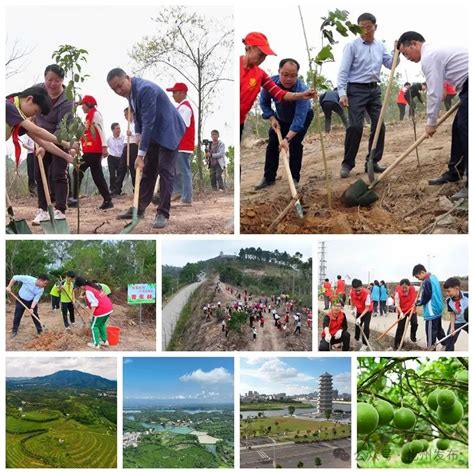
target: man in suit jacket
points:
(160, 128)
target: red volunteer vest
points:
(105, 305)
(359, 300)
(340, 287)
(91, 142)
(187, 142)
(334, 324)
(408, 300)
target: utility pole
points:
(322, 262)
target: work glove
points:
(357, 321)
(338, 334)
(327, 337)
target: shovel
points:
(15, 226)
(135, 219)
(370, 161)
(294, 194)
(156, 196)
(28, 309)
(52, 226)
(361, 194)
(433, 346)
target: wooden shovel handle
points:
(136, 193)
(26, 307)
(286, 164)
(413, 146)
(44, 180)
(386, 98)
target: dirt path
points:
(173, 308)
(400, 194)
(133, 337)
(211, 213)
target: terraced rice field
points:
(59, 442)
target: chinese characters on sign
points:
(141, 293)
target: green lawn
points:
(293, 429)
(263, 406)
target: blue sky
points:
(180, 252)
(292, 375)
(197, 379)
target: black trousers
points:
(434, 330)
(402, 108)
(158, 161)
(30, 168)
(401, 329)
(94, 162)
(362, 98)
(330, 107)
(452, 340)
(458, 162)
(113, 163)
(19, 310)
(65, 309)
(216, 172)
(345, 339)
(272, 154)
(55, 300)
(365, 324)
(55, 169)
(122, 172)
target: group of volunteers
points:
(285, 99)
(365, 301)
(281, 311)
(160, 140)
(67, 294)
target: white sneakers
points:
(93, 346)
(106, 343)
(42, 216)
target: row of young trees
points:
(116, 263)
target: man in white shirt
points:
(440, 64)
(133, 155)
(115, 150)
(183, 181)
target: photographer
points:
(215, 154)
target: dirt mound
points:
(133, 336)
(406, 204)
(211, 213)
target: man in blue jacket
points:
(329, 102)
(292, 118)
(160, 128)
(431, 298)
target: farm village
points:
(61, 309)
(412, 178)
(162, 171)
(416, 311)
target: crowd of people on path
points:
(372, 300)
(285, 100)
(282, 312)
(159, 140)
(72, 295)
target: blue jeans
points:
(183, 182)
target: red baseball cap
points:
(179, 86)
(88, 99)
(259, 40)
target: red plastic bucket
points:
(113, 335)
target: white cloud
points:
(214, 376)
(342, 382)
(275, 370)
(38, 366)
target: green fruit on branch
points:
(407, 455)
(417, 446)
(426, 444)
(385, 411)
(442, 444)
(446, 398)
(404, 419)
(433, 399)
(462, 377)
(452, 415)
(367, 418)
(360, 445)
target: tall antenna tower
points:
(322, 262)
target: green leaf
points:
(69, 92)
(324, 55)
(341, 29)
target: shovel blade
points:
(131, 225)
(299, 209)
(155, 199)
(18, 227)
(370, 167)
(358, 194)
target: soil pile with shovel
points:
(406, 204)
